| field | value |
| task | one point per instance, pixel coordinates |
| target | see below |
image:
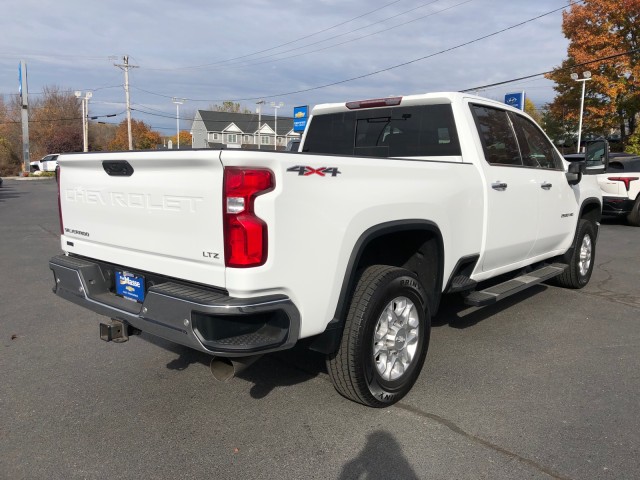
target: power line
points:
(49, 120)
(601, 59)
(347, 33)
(359, 77)
(283, 44)
(66, 91)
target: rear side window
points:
(426, 130)
(497, 136)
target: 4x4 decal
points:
(322, 171)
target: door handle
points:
(500, 186)
(546, 186)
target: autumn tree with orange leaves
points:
(185, 139)
(143, 138)
(597, 29)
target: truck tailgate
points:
(162, 214)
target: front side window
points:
(497, 136)
(537, 151)
(232, 138)
(425, 130)
(265, 140)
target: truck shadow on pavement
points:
(454, 313)
(281, 369)
(299, 364)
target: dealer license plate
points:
(130, 286)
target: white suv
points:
(48, 163)
(621, 187)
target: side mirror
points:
(596, 157)
(574, 172)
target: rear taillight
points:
(59, 204)
(245, 235)
(626, 180)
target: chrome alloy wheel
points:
(395, 338)
(585, 255)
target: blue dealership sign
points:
(300, 116)
(515, 100)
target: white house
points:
(240, 130)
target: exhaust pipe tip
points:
(224, 369)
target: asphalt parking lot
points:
(543, 385)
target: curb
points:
(21, 179)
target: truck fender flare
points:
(329, 340)
(587, 203)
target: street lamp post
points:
(85, 115)
(276, 106)
(178, 102)
(586, 76)
(260, 103)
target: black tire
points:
(354, 368)
(578, 273)
(634, 216)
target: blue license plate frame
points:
(130, 286)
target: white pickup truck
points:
(348, 244)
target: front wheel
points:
(385, 338)
(578, 273)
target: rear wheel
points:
(578, 273)
(634, 216)
(385, 338)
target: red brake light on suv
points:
(626, 180)
(245, 234)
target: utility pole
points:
(178, 102)
(260, 103)
(24, 114)
(85, 118)
(125, 66)
(276, 106)
(587, 76)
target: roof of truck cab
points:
(411, 100)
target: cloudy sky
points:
(299, 52)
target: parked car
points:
(620, 183)
(48, 163)
(621, 188)
(293, 146)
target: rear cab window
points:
(414, 131)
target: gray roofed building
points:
(239, 130)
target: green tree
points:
(598, 29)
(633, 146)
(143, 138)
